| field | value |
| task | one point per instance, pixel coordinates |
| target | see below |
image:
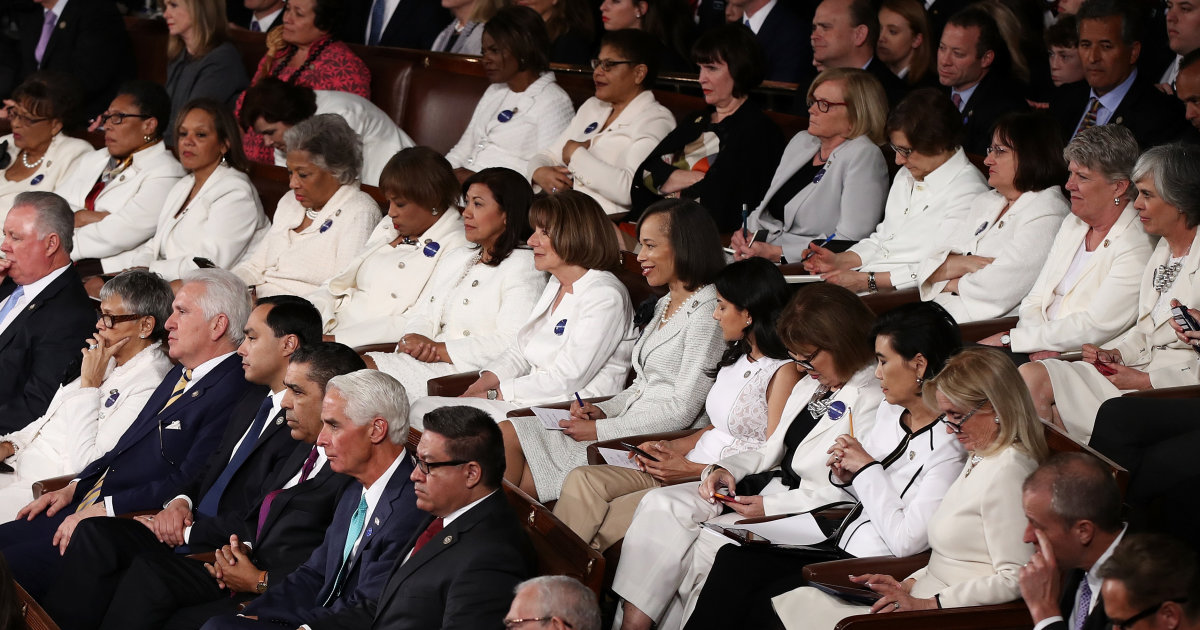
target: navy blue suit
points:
(143, 470)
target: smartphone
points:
(745, 536)
(760, 235)
(1184, 318)
(721, 496)
(1104, 368)
(639, 451)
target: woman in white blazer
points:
(976, 533)
(37, 154)
(524, 109)
(664, 556)
(122, 366)
(898, 473)
(118, 192)
(212, 217)
(673, 358)
(323, 222)
(613, 131)
(984, 265)
(1150, 355)
(832, 179)
(479, 296)
(367, 301)
(1086, 290)
(579, 336)
(933, 192)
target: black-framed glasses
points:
(608, 64)
(514, 623)
(996, 150)
(16, 116)
(425, 466)
(903, 152)
(113, 320)
(806, 362)
(957, 426)
(1123, 624)
(823, 105)
(118, 117)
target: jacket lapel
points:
(31, 308)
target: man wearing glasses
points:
(1150, 583)
(556, 602)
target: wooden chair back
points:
(35, 616)
(559, 550)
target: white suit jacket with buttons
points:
(286, 262)
(582, 346)
(221, 223)
(477, 309)
(861, 395)
(1101, 303)
(848, 200)
(604, 171)
(902, 240)
(381, 138)
(60, 157)
(540, 114)
(386, 325)
(134, 200)
(1019, 241)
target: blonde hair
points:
(485, 9)
(865, 99)
(209, 23)
(977, 376)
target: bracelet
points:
(937, 599)
(871, 286)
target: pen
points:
(745, 221)
(825, 242)
(580, 401)
(851, 423)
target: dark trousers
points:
(26, 546)
(168, 592)
(233, 622)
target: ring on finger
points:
(92, 346)
(896, 605)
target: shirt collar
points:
(1093, 574)
(37, 286)
(755, 22)
(375, 492)
(267, 19)
(58, 9)
(944, 174)
(965, 95)
(449, 518)
(203, 369)
(1112, 99)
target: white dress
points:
(737, 407)
(60, 157)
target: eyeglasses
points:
(113, 320)
(18, 117)
(513, 623)
(118, 117)
(957, 426)
(903, 152)
(1123, 624)
(996, 150)
(425, 466)
(608, 64)
(823, 105)
(806, 362)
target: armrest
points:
(566, 404)
(836, 572)
(452, 385)
(593, 455)
(51, 484)
(974, 331)
(995, 617)
(1186, 391)
(375, 347)
(880, 303)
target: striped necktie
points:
(1089, 119)
(184, 379)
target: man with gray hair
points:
(558, 602)
(45, 315)
(1074, 512)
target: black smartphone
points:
(5, 468)
(204, 263)
(639, 451)
(760, 235)
(1184, 318)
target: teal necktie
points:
(356, 526)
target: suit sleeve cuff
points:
(108, 506)
(186, 499)
(1045, 623)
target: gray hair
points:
(1081, 488)
(566, 598)
(373, 394)
(52, 215)
(224, 294)
(331, 144)
(1110, 150)
(144, 293)
(1175, 169)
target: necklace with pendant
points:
(975, 459)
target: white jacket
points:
(60, 157)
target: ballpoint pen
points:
(825, 242)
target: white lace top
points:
(737, 406)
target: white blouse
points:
(58, 160)
(737, 407)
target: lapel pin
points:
(837, 410)
(278, 420)
(62, 24)
(447, 540)
(121, 178)
(196, 394)
(33, 306)
(560, 328)
(338, 213)
(592, 127)
(1120, 120)
(431, 249)
(370, 530)
(112, 398)
(38, 179)
(377, 521)
(1106, 242)
(325, 226)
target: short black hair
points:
(152, 100)
(513, 193)
(327, 359)
(923, 328)
(929, 120)
(755, 285)
(639, 47)
(694, 237)
(865, 13)
(522, 32)
(472, 436)
(293, 315)
(1064, 33)
(1132, 17)
(1081, 488)
(1035, 140)
(51, 94)
(1155, 568)
(736, 46)
(277, 101)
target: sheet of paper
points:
(550, 417)
(617, 457)
(800, 529)
(798, 279)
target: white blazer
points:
(380, 137)
(861, 395)
(1019, 241)
(357, 315)
(60, 157)
(915, 210)
(134, 199)
(584, 345)
(291, 263)
(539, 115)
(848, 200)
(222, 223)
(477, 309)
(1100, 305)
(604, 171)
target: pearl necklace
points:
(25, 159)
(669, 313)
(311, 213)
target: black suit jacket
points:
(893, 86)
(1096, 620)
(1153, 117)
(415, 24)
(463, 578)
(995, 96)
(784, 39)
(40, 349)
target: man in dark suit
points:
(1113, 92)
(1074, 512)
(780, 28)
(1152, 580)
(1187, 89)
(403, 24)
(974, 65)
(45, 315)
(164, 448)
(255, 442)
(365, 417)
(844, 33)
(257, 16)
(83, 38)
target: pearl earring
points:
(637, 14)
(997, 420)
(1116, 201)
(433, 211)
(920, 381)
(147, 138)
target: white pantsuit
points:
(134, 200)
(221, 223)
(1100, 304)
(1018, 241)
(57, 162)
(287, 262)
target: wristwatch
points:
(261, 587)
(1006, 339)
(871, 286)
(493, 394)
